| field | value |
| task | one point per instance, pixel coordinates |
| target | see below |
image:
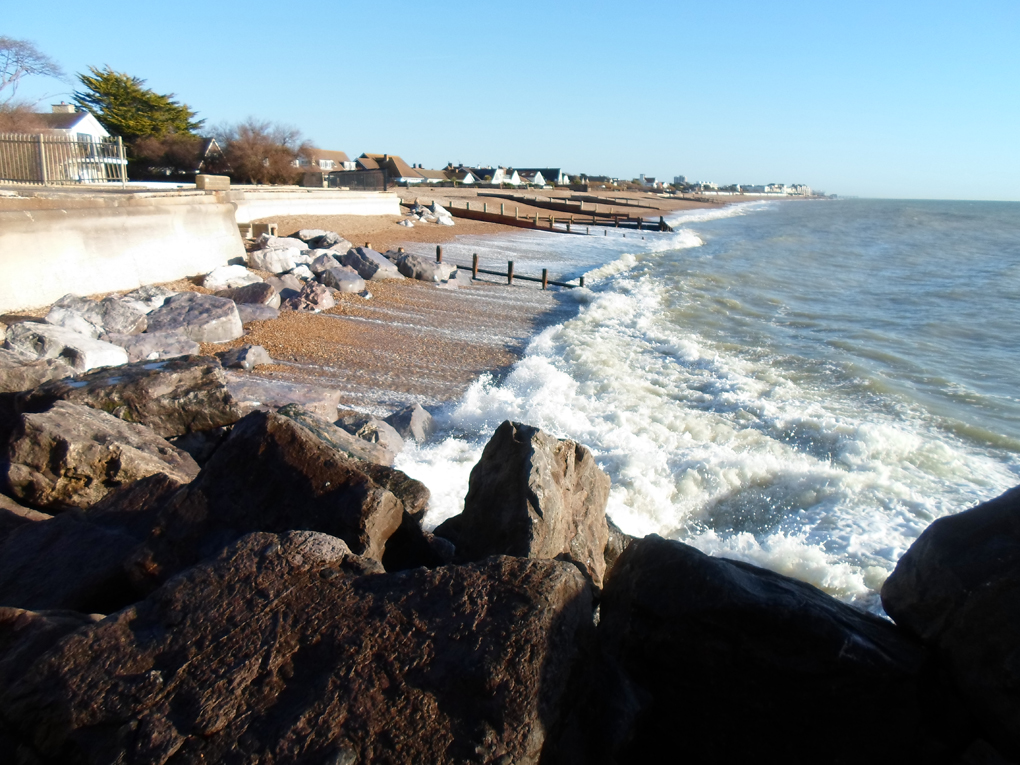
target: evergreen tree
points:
(125, 107)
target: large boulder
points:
(271, 474)
(413, 422)
(229, 277)
(312, 297)
(203, 318)
(320, 424)
(375, 431)
(49, 341)
(152, 346)
(171, 397)
(342, 279)
(258, 293)
(287, 285)
(147, 299)
(260, 393)
(268, 242)
(276, 260)
(421, 268)
(14, 515)
(91, 318)
(250, 312)
(18, 373)
(66, 562)
(71, 456)
(319, 239)
(288, 648)
(370, 264)
(719, 655)
(324, 261)
(958, 589)
(247, 357)
(534, 496)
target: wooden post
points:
(467, 205)
(552, 222)
(368, 245)
(502, 207)
(587, 230)
(42, 158)
(400, 249)
(545, 278)
(616, 221)
(485, 207)
(517, 212)
(439, 253)
(582, 281)
(568, 225)
(474, 266)
(639, 223)
(662, 223)
(536, 219)
(509, 272)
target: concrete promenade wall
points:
(88, 244)
(257, 204)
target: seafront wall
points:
(256, 204)
(90, 244)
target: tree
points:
(19, 118)
(125, 107)
(19, 59)
(262, 152)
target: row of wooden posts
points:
(475, 270)
(661, 226)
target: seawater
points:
(801, 385)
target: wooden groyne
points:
(509, 275)
(573, 223)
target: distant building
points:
(326, 160)
(549, 175)
(66, 120)
(397, 169)
(679, 180)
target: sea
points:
(802, 385)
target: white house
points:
(65, 120)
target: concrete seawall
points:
(89, 244)
(253, 204)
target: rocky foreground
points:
(186, 577)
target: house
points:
(432, 176)
(489, 174)
(460, 174)
(531, 177)
(397, 169)
(325, 160)
(66, 120)
(549, 175)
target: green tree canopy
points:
(125, 107)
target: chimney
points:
(63, 108)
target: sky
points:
(895, 99)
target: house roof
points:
(434, 174)
(336, 156)
(367, 163)
(61, 121)
(398, 168)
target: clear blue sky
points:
(881, 99)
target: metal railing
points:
(61, 159)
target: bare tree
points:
(19, 118)
(18, 59)
(262, 152)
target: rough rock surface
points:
(370, 264)
(229, 277)
(258, 293)
(171, 397)
(319, 239)
(13, 515)
(268, 241)
(722, 654)
(251, 312)
(286, 284)
(151, 346)
(421, 268)
(312, 297)
(413, 422)
(66, 562)
(276, 260)
(342, 279)
(203, 318)
(247, 357)
(375, 431)
(49, 341)
(148, 299)
(958, 589)
(258, 392)
(324, 261)
(18, 373)
(322, 426)
(286, 648)
(91, 318)
(71, 456)
(271, 474)
(534, 496)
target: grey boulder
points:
(49, 341)
(18, 373)
(370, 264)
(375, 431)
(421, 268)
(150, 346)
(72, 456)
(413, 422)
(203, 318)
(229, 277)
(276, 260)
(323, 262)
(251, 312)
(534, 496)
(342, 279)
(247, 357)
(312, 297)
(259, 293)
(148, 299)
(268, 241)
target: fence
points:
(359, 180)
(61, 159)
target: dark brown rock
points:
(289, 649)
(13, 515)
(336, 437)
(534, 496)
(958, 589)
(412, 422)
(312, 297)
(72, 456)
(617, 543)
(66, 562)
(134, 509)
(172, 397)
(271, 474)
(721, 655)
